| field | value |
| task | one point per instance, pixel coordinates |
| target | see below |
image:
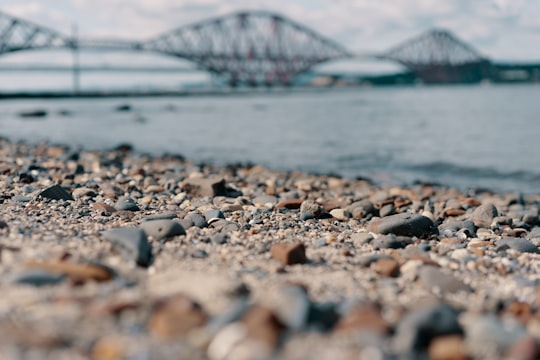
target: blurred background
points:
(397, 92)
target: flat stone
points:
(483, 215)
(56, 192)
(174, 316)
(162, 229)
(406, 224)
(38, 278)
(518, 244)
(311, 207)
(291, 204)
(200, 187)
(289, 254)
(102, 207)
(265, 200)
(419, 327)
(433, 278)
(163, 216)
(20, 198)
(223, 225)
(360, 209)
(131, 243)
(78, 273)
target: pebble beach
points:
(120, 255)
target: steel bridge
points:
(265, 48)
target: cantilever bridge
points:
(264, 48)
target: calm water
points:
(479, 136)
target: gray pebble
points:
(161, 229)
(433, 278)
(197, 220)
(518, 244)
(131, 243)
(38, 278)
(406, 224)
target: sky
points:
(499, 29)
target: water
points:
(469, 137)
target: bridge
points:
(265, 48)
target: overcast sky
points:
(500, 29)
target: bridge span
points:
(265, 48)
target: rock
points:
(360, 209)
(488, 337)
(390, 242)
(419, 327)
(126, 204)
(448, 347)
(363, 317)
(341, 214)
(386, 267)
(219, 239)
(174, 316)
(56, 192)
(525, 348)
(292, 306)
(265, 200)
(406, 224)
(198, 220)
(102, 207)
(223, 225)
(518, 244)
(361, 238)
(162, 229)
(3, 225)
(432, 278)
(311, 207)
(289, 254)
(263, 325)
(164, 216)
(306, 216)
(38, 278)
(291, 204)
(387, 210)
(213, 214)
(131, 243)
(483, 215)
(83, 192)
(77, 273)
(199, 187)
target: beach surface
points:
(118, 255)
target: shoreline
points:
(119, 254)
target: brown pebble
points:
(102, 207)
(448, 347)
(174, 316)
(453, 212)
(263, 325)
(78, 273)
(386, 267)
(363, 317)
(289, 254)
(291, 204)
(521, 311)
(108, 348)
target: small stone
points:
(197, 220)
(419, 327)
(360, 209)
(20, 198)
(291, 204)
(77, 273)
(174, 316)
(386, 267)
(306, 216)
(131, 243)
(219, 239)
(263, 325)
(311, 207)
(102, 207)
(56, 192)
(448, 347)
(162, 229)
(391, 242)
(265, 200)
(108, 348)
(363, 317)
(406, 224)
(361, 238)
(483, 215)
(387, 210)
(518, 244)
(432, 278)
(38, 278)
(525, 348)
(199, 187)
(154, 189)
(164, 216)
(83, 192)
(341, 214)
(289, 254)
(213, 214)
(127, 204)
